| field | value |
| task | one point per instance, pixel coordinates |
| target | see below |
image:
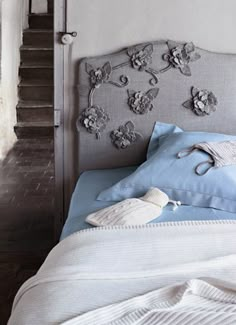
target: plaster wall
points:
(107, 25)
(13, 22)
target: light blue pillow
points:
(177, 177)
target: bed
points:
(139, 110)
(91, 183)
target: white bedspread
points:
(169, 273)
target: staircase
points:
(35, 89)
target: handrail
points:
(30, 6)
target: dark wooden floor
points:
(26, 215)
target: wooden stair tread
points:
(34, 124)
(34, 83)
(41, 14)
(41, 21)
(34, 65)
(36, 48)
(34, 104)
(35, 30)
(34, 130)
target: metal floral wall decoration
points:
(141, 102)
(202, 103)
(125, 136)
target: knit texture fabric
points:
(131, 211)
(149, 274)
(195, 302)
(220, 154)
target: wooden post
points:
(59, 17)
(30, 7)
(50, 6)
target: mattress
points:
(91, 183)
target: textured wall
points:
(13, 20)
(107, 25)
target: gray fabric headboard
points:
(121, 95)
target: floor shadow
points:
(26, 215)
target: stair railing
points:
(30, 6)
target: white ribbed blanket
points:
(171, 273)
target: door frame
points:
(59, 24)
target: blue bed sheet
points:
(91, 183)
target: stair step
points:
(36, 71)
(33, 54)
(35, 82)
(50, 6)
(41, 21)
(34, 104)
(38, 37)
(35, 90)
(29, 130)
(35, 111)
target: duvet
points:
(166, 273)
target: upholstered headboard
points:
(121, 95)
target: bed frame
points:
(121, 95)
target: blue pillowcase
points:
(177, 177)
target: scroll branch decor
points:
(95, 118)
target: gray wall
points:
(13, 22)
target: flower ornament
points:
(100, 75)
(125, 136)
(180, 56)
(202, 103)
(140, 102)
(94, 119)
(140, 58)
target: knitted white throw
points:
(195, 302)
(136, 275)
